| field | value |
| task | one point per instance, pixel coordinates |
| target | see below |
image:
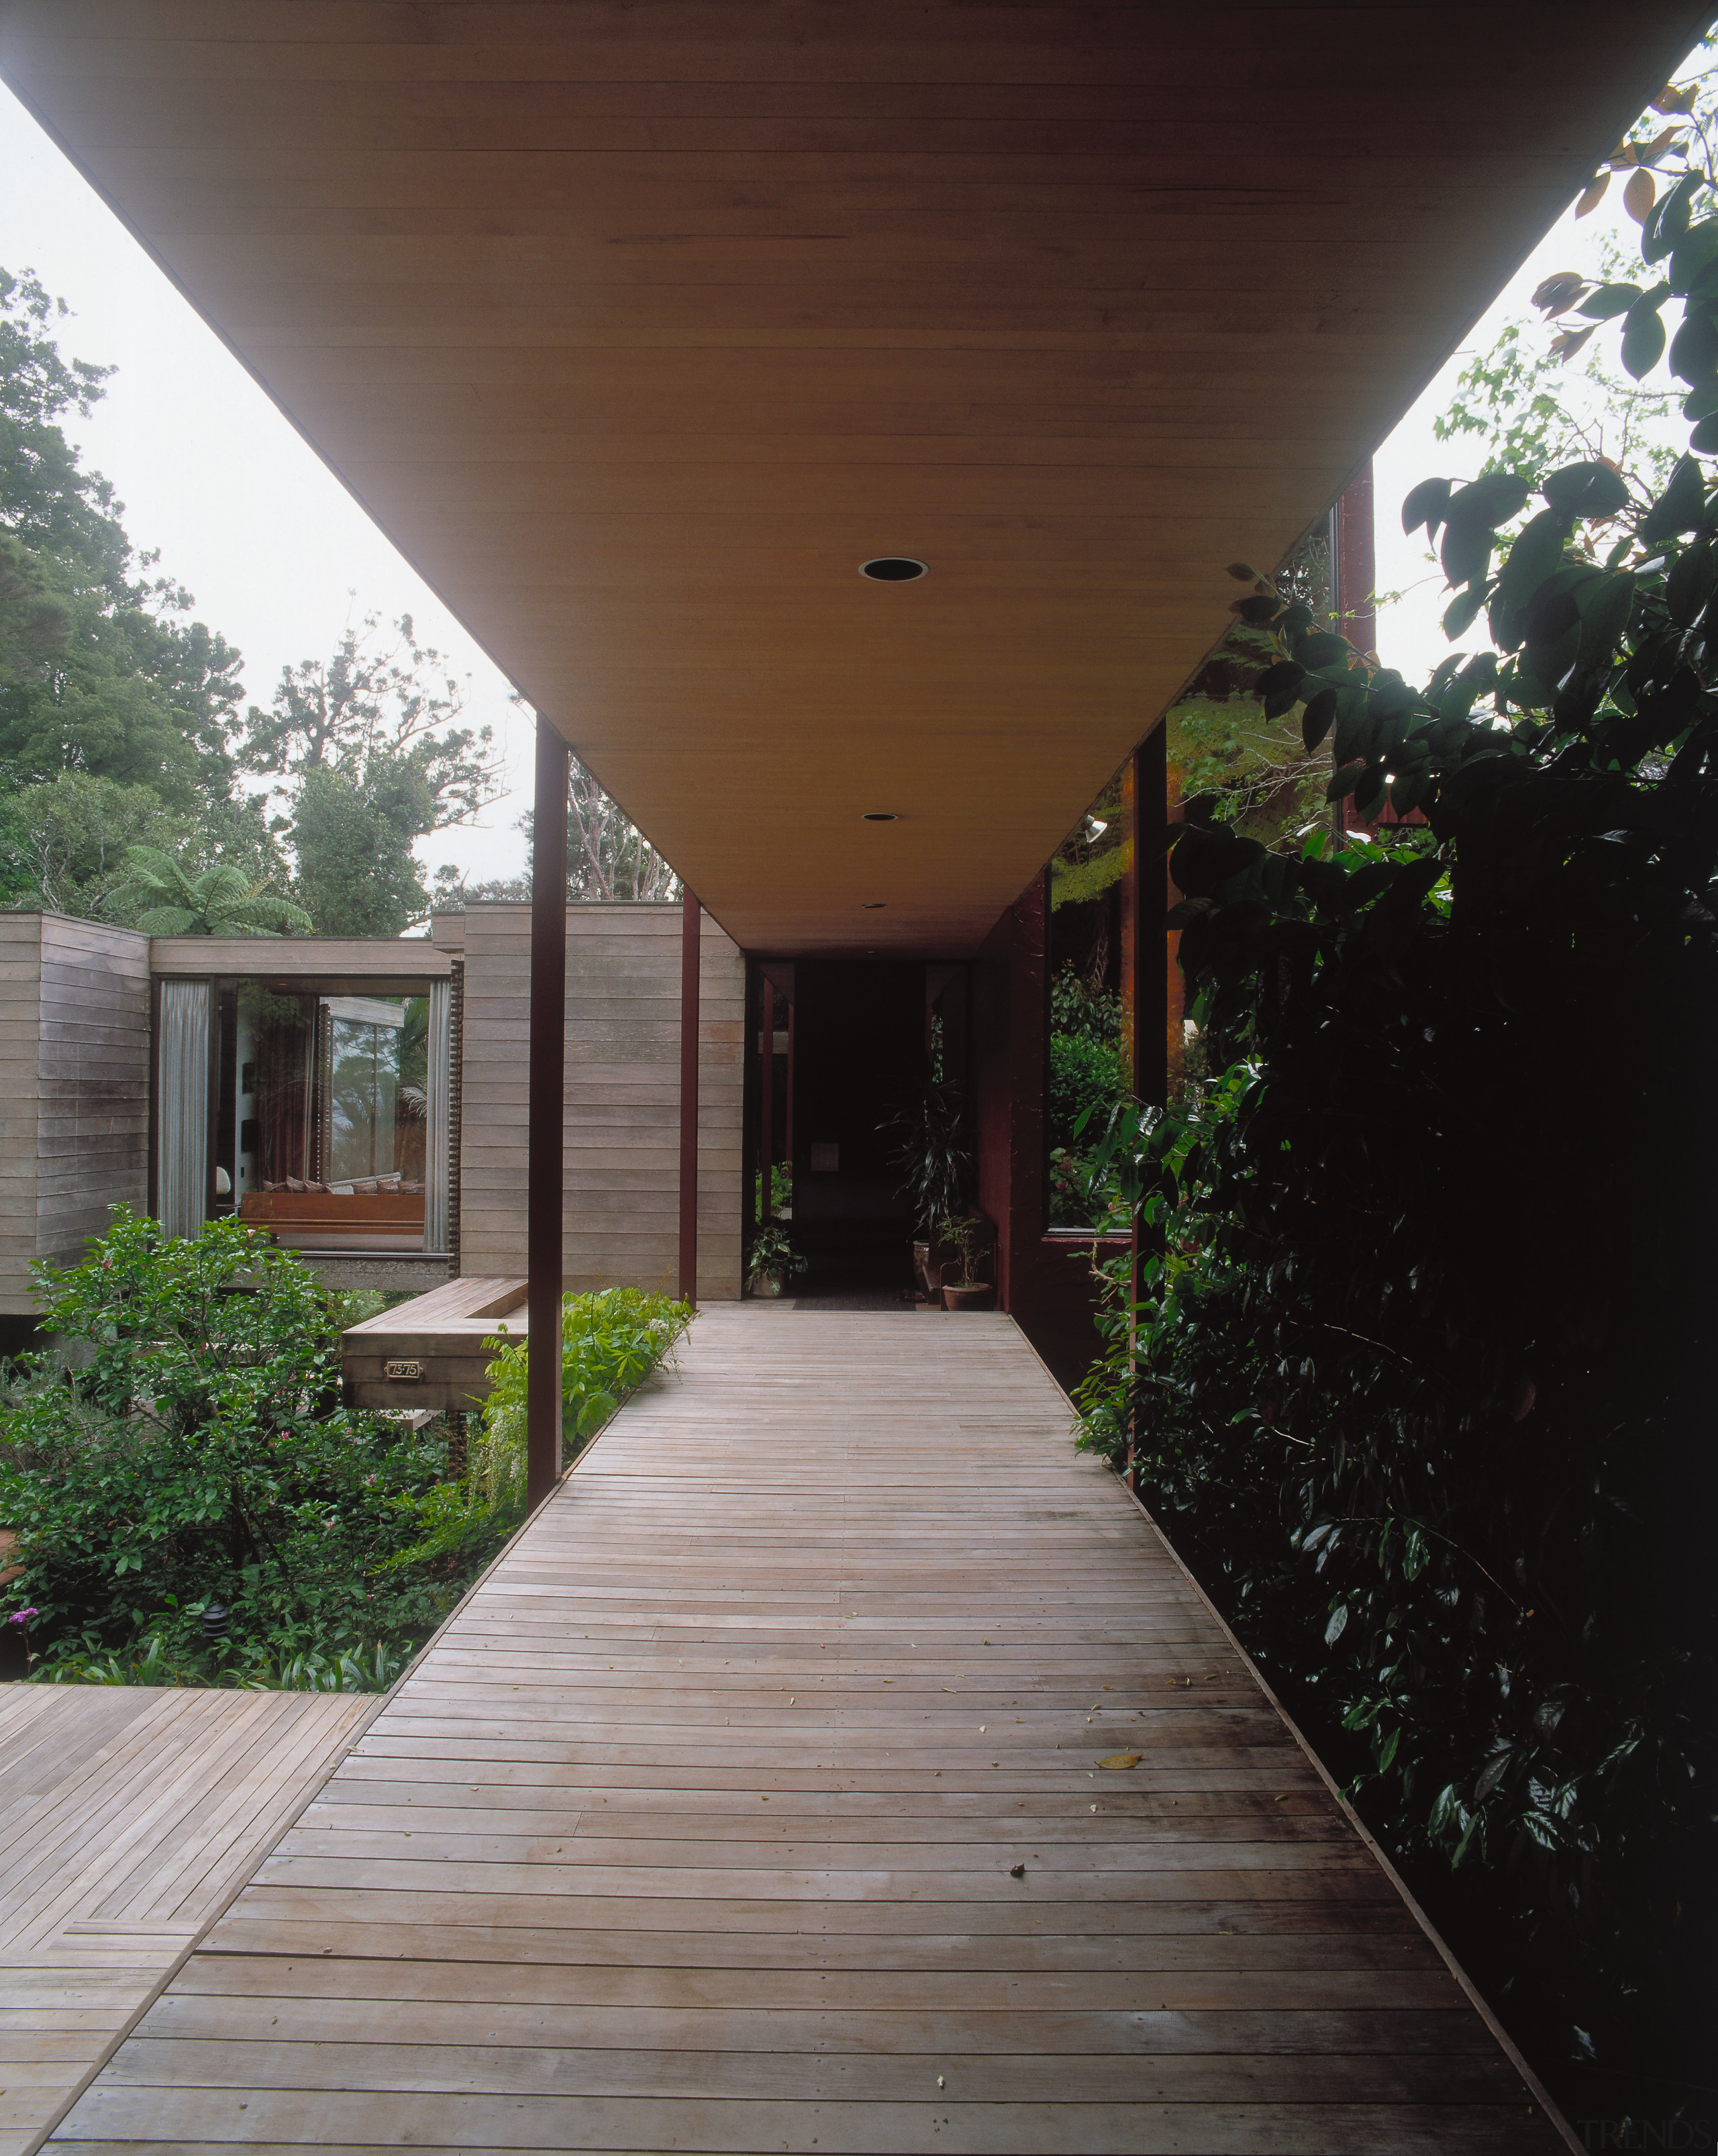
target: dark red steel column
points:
(787, 1105)
(691, 955)
(1356, 561)
(546, 1112)
(1148, 1001)
(767, 1094)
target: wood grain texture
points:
(127, 1816)
(638, 328)
(621, 1171)
(314, 958)
(697, 1827)
(74, 1089)
(442, 1334)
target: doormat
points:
(900, 1303)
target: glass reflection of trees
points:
(376, 1067)
(333, 1089)
(1087, 1071)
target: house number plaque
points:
(401, 1369)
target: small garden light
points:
(217, 1621)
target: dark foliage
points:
(1422, 1370)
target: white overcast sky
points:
(279, 556)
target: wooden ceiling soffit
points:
(639, 328)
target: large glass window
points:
(1087, 1054)
(331, 1114)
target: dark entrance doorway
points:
(839, 1046)
(859, 1050)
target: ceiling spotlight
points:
(873, 906)
(879, 816)
(892, 569)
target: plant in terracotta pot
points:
(930, 1132)
(968, 1237)
(771, 1261)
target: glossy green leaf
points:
(1589, 489)
(1689, 586)
(1536, 554)
(1492, 500)
(1643, 337)
(1667, 223)
(1681, 507)
(1693, 255)
(1369, 794)
(1408, 791)
(1604, 604)
(1459, 616)
(1492, 1775)
(1609, 300)
(1694, 349)
(1324, 648)
(1318, 718)
(1426, 505)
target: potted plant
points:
(771, 1261)
(930, 1134)
(968, 1237)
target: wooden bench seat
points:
(429, 1353)
(307, 1219)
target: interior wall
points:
(1045, 1282)
(621, 1172)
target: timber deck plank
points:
(697, 1827)
(127, 1816)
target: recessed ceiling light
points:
(881, 816)
(892, 569)
(873, 906)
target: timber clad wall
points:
(73, 1088)
(622, 1174)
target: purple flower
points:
(23, 1616)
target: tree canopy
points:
(121, 726)
(100, 671)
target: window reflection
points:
(331, 1114)
(1087, 1070)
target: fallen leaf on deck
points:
(1121, 1759)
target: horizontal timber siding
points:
(73, 1088)
(620, 1174)
(20, 1061)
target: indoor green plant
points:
(930, 1133)
(968, 1236)
(771, 1260)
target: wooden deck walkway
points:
(756, 1801)
(127, 1817)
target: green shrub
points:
(1424, 1364)
(611, 1341)
(185, 1447)
(1084, 1075)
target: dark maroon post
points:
(691, 949)
(544, 1113)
